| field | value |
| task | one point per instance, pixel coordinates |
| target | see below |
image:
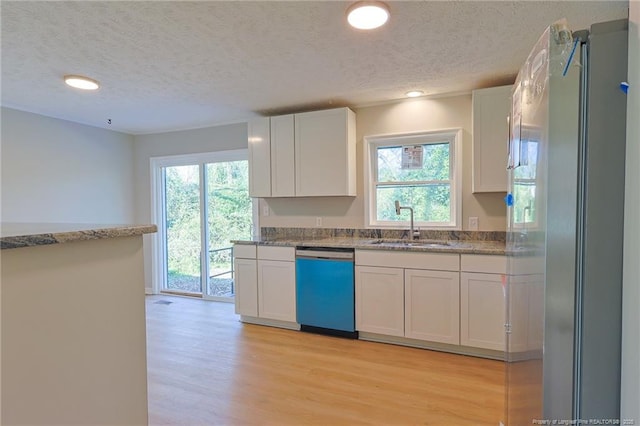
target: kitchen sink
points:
(406, 243)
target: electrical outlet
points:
(265, 210)
(473, 223)
(318, 221)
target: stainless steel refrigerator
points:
(565, 228)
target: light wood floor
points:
(207, 368)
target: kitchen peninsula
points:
(73, 324)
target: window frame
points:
(372, 143)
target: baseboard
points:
(434, 346)
(270, 322)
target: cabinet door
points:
(277, 290)
(282, 156)
(490, 135)
(380, 300)
(325, 149)
(526, 314)
(259, 157)
(432, 305)
(246, 286)
(482, 316)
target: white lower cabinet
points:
(454, 300)
(277, 290)
(431, 307)
(482, 311)
(265, 282)
(380, 300)
(246, 286)
(407, 302)
(526, 307)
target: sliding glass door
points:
(201, 204)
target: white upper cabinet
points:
(282, 156)
(490, 135)
(325, 153)
(303, 155)
(259, 136)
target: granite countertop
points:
(435, 246)
(17, 235)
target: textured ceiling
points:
(175, 65)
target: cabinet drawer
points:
(244, 251)
(394, 259)
(487, 264)
(277, 253)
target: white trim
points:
(270, 322)
(157, 213)
(454, 136)
(204, 235)
(158, 250)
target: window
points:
(420, 170)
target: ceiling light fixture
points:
(367, 15)
(414, 93)
(80, 82)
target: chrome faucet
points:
(414, 234)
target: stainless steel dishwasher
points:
(325, 290)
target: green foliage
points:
(182, 195)
(229, 214)
(229, 210)
(427, 189)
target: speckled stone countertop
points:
(17, 235)
(436, 246)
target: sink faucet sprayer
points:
(414, 234)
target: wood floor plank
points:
(207, 368)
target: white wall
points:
(210, 139)
(630, 408)
(405, 116)
(58, 171)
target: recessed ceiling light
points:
(367, 15)
(80, 82)
(414, 93)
